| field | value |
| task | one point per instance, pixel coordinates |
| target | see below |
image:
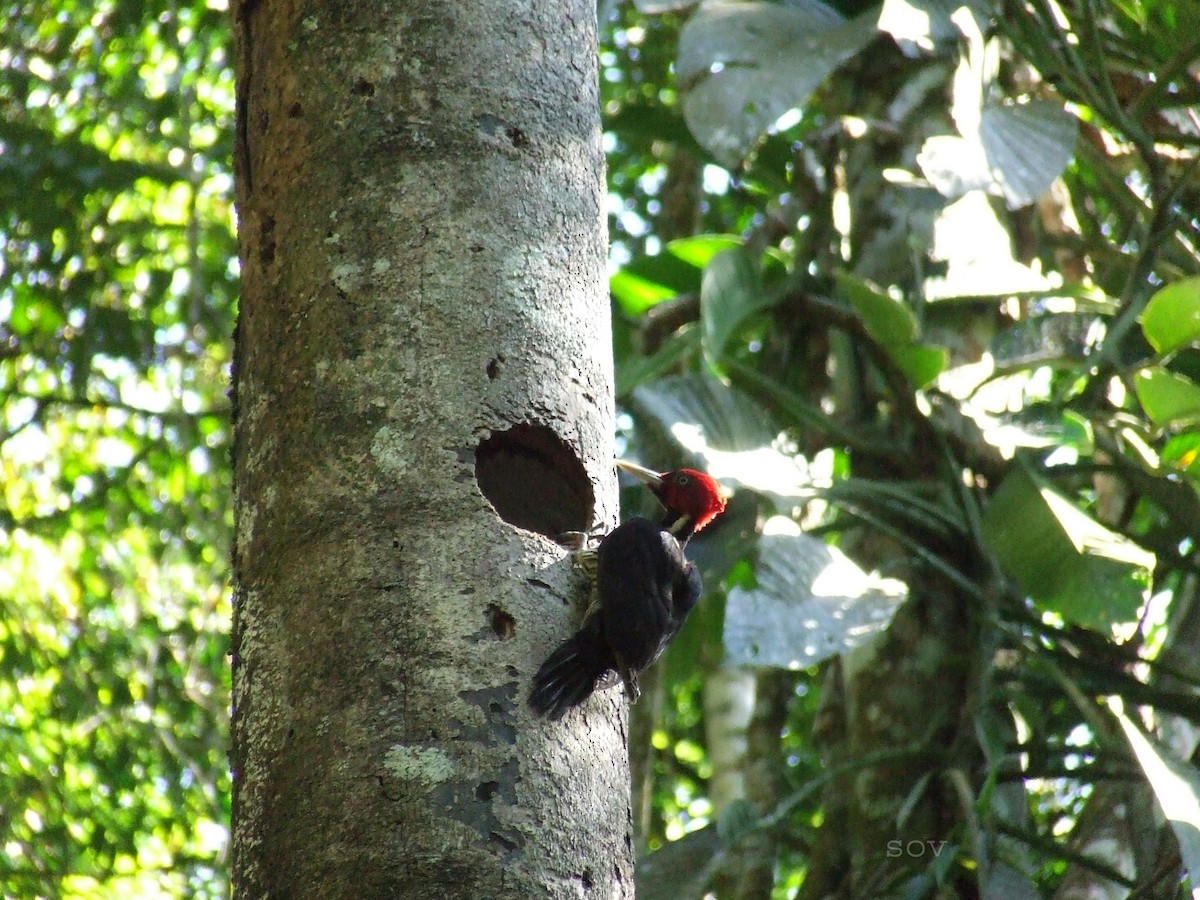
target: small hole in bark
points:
(517, 137)
(486, 791)
(501, 840)
(295, 111)
(266, 238)
(502, 624)
(534, 480)
(363, 88)
(493, 369)
(586, 878)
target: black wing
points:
(646, 587)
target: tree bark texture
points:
(423, 400)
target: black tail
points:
(569, 675)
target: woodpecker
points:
(644, 590)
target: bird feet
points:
(633, 690)
(585, 557)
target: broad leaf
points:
(1062, 339)
(1171, 319)
(701, 248)
(1063, 558)
(1183, 453)
(1015, 149)
(809, 603)
(920, 363)
(657, 7)
(891, 323)
(887, 319)
(726, 432)
(730, 291)
(636, 294)
(720, 416)
(1027, 145)
(1168, 398)
(742, 65)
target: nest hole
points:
(534, 480)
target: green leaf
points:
(1182, 452)
(712, 414)
(700, 249)
(1171, 319)
(894, 327)
(729, 292)
(1166, 397)
(636, 294)
(920, 363)
(1063, 558)
(886, 319)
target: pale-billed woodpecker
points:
(644, 590)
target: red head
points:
(692, 498)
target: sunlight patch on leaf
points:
(727, 433)
(1062, 557)
(919, 25)
(766, 470)
(978, 252)
(699, 249)
(1176, 785)
(636, 294)
(1012, 148)
(809, 602)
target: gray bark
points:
(423, 380)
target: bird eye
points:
(682, 480)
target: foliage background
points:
(116, 312)
(819, 292)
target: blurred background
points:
(918, 280)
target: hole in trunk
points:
(534, 480)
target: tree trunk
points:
(423, 401)
(904, 695)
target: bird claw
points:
(632, 689)
(574, 540)
(579, 540)
(630, 679)
(588, 561)
(593, 607)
